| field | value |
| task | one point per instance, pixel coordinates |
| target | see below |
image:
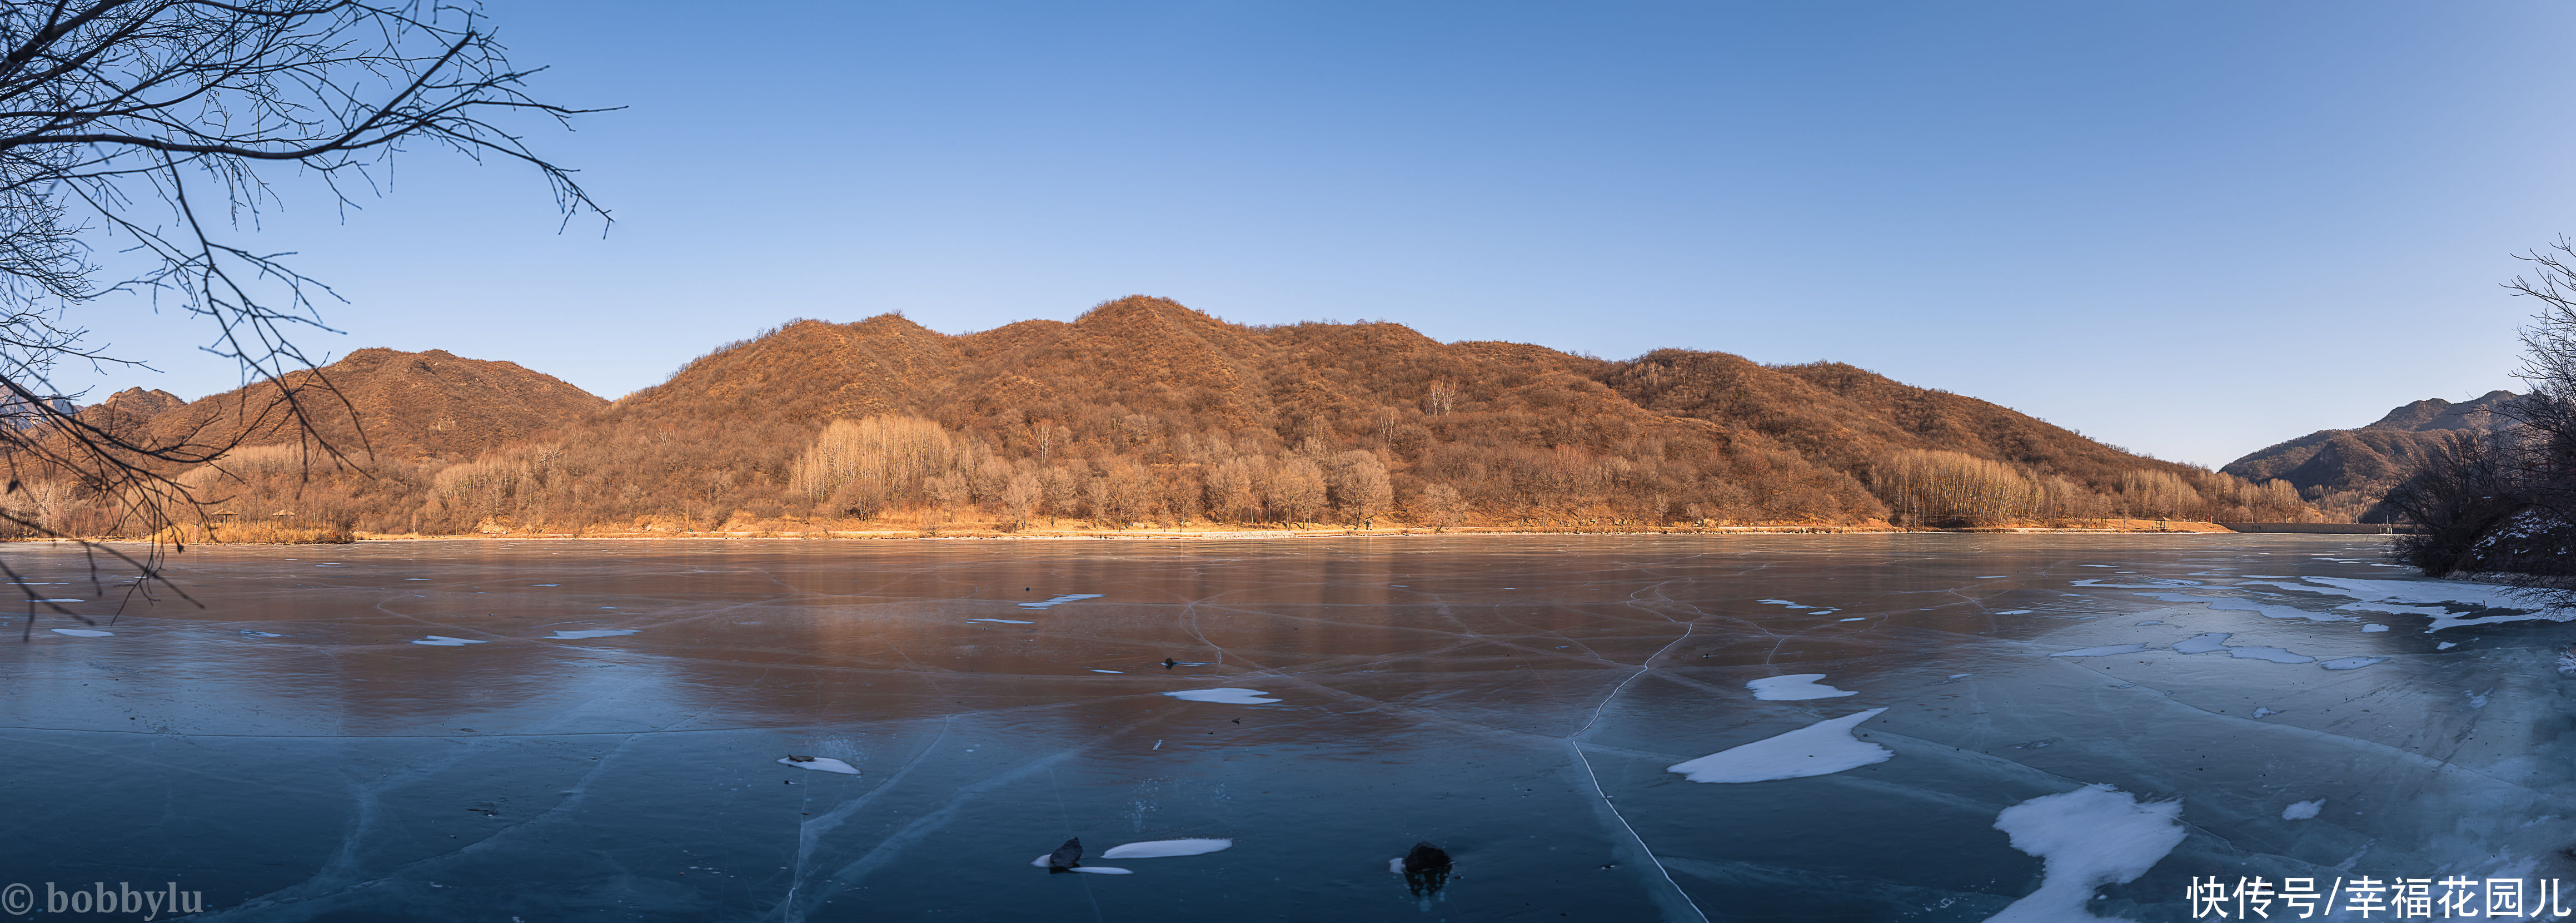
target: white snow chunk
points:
(2104, 651)
(445, 641)
(593, 633)
(1004, 621)
(1060, 600)
(1157, 849)
(84, 633)
(1395, 865)
(2086, 838)
(821, 764)
(1795, 687)
(2302, 810)
(2273, 654)
(2350, 663)
(2446, 645)
(2202, 644)
(2374, 626)
(1224, 695)
(1823, 748)
(2260, 711)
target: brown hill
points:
(384, 405)
(1145, 409)
(2346, 471)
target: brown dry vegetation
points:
(1144, 412)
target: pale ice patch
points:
(1795, 687)
(2202, 644)
(445, 641)
(2142, 583)
(1109, 671)
(1004, 621)
(1060, 600)
(2350, 663)
(593, 633)
(2273, 654)
(2239, 605)
(1157, 849)
(2151, 622)
(1224, 695)
(247, 633)
(2302, 810)
(415, 578)
(1100, 870)
(57, 600)
(820, 764)
(2391, 595)
(2374, 626)
(2014, 612)
(1395, 865)
(1783, 602)
(1961, 675)
(545, 584)
(84, 633)
(1994, 576)
(2086, 838)
(1823, 748)
(1853, 619)
(2260, 711)
(2104, 651)
(2478, 699)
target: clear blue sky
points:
(2186, 228)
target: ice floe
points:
(445, 641)
(1158, 849)
(1823, 748)
(1224, 695)
(1795, 687)
(593, 633)
(1060, 600)
(820, 764)
(2350, 663)
(84, 632)
(2093, 836)
(2242, 605)
(2393, 596)
(2302, 810)
(2103, 651)
(1004, 621)
(2374, 626)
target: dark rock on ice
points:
(1065, 856)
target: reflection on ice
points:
(2089, 837)
(1796, 687)
(1822, 748)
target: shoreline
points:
(2176, 527)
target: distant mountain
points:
(409, 406)
(1146, 399)
(2346, 471)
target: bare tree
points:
(139, 137)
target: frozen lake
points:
(747, 730)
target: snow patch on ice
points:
(1783, 602)
(593, 633)
(2143, 583)
(247, 633)
(1224, 695)
(2350, 663)
(2273, 654)
(1060, 600)
(57, 600)
(445, 641)
(2374, 626)
(821, 764)
(2202, 644)
(2391, 595)
(1823, 748)
(1004, 621)
(2104, 651)
(2302, 810)
(84, 633)
(2014, 612)
(2260, 711)
(1109, 671)
(1853, 619)
(1157, 849)
(1100, 870)
(2086, 838)
(1795, 687)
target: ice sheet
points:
(2351, 663)
(1157, 849)
(1795, 687)
(2086, 838)
(2240, 605)
(1224, 695)
(2273, 654)
(2103, 651)
(1822, 748)
(2202, 644)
